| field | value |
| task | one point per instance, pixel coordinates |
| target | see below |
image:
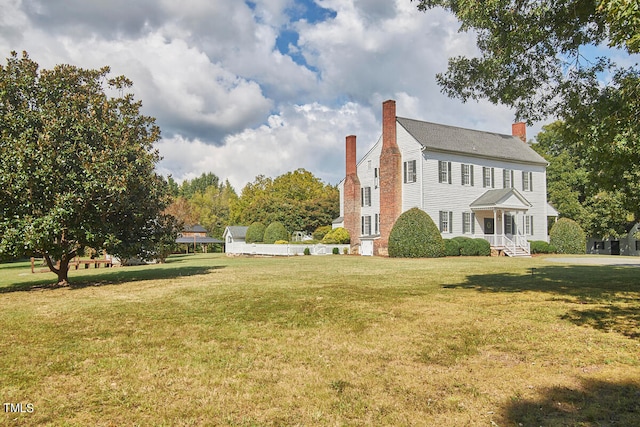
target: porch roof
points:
(505, 198)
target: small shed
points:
(235, 234)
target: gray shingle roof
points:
(197, 228)
(492, 198)
(238, 231)
(438, 137)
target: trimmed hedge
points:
(483, 247)
(415, 235)
(275, 231)
(467, 246)
(542, 247)
(337, 236)
(568, 237)
(255, 233)
(451, 247)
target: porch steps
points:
(519, 252)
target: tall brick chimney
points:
(352, 195)
(390, 177)
(520, 130)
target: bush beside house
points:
(275, 231)
(451, 247)
(568, 237)
(321, 232)
(542, 247)
(337, 236)
(415, 235)
(467, 246)
(255, 233)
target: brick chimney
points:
(352, 195)
(390, 177)
(520, 130)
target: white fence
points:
(281, 250)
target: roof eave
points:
(480, 156)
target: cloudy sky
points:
(242, 88)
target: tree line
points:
(298, 200)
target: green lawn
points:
(334, 340)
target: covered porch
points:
(500, 214)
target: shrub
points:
(275, 231)
(541, 247)
(321, 232)
(415, 235)
(337, 236)
(255, 233)
(467, 246)
(568, 237)
(483, 247)
(336, 251)
(307, 251)
(451, 247)
(345, 251)
(280, 242)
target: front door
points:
(489, 226)
(615, 247)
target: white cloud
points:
(309, 136)
(229, 102)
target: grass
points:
(335, 340)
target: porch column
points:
(496, 240)
(495, 222)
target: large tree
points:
(599, 212)
(77, 165)
(297, 199)
(537, 57)
(212, 207)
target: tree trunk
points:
(62, 271)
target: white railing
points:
(503, 241)
(242, 248)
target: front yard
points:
(333, 340)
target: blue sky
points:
(259, 87)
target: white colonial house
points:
(471, 183)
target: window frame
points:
(446, 222)
(365, 196)
(365, 225)
(468, 223)
(466, 171)
(527, 181)
(444, 171)
(507, 177)
(410, 176)
(488, 177)
(528, 225)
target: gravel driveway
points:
(599, 260)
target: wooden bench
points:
(87, 262)
(76, 262)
